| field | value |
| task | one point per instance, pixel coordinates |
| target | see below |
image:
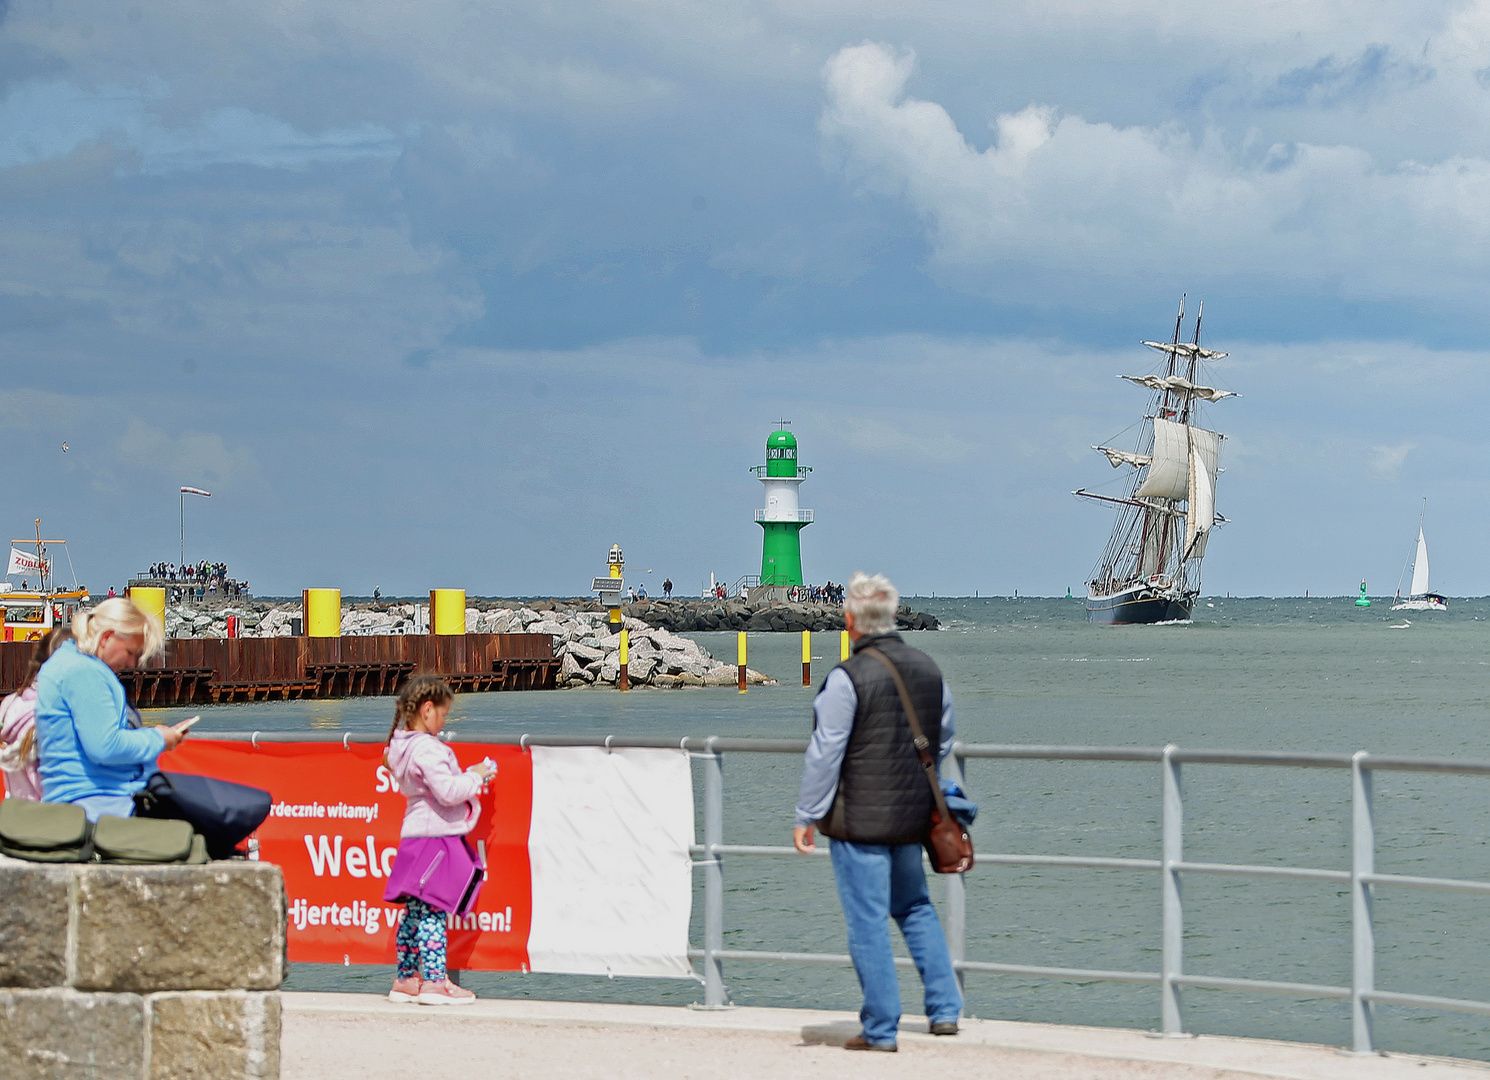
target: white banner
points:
(22, 563)
(612, 876)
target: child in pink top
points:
(443, 805)
(18, 760)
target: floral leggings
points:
(421, 933)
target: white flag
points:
(22, 563)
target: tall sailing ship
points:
(1150, 569)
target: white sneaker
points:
(444, 993)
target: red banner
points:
(334, 830)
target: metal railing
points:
(1361, 878)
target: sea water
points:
(1248, 674)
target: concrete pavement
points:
(365, 1037)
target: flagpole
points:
(183, 530)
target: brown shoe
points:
(945, 1027)
(859, 1042)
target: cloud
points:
(1330, 81)
(192, 457)
(1386, 461)
(1095, 211)
(43, 121)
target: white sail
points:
(1202, 509)
(1420, 567)
(1169, 472)
(1123, 457)
(1178, 384)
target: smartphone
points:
(187, 723)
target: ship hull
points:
(1136, 607)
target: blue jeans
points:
(875, 883)
(95, 805)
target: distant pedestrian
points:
(111, 592)
(433, 854)
(630, 594)
(863, 785)
(667, 588)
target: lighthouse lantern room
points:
(782, 518)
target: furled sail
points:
(1178, 384)
(1184, 348)
(1169, 472)
(1123, 457)
(1420, 567)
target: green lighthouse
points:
(781, 518)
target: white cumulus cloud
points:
(1060, 202)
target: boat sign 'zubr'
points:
(1150, 569)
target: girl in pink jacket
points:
(18, 757)
(436, 870)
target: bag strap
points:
(923, 745)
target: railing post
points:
(956, 889)
(715, 996)
(1173, 915)
(1363, 934)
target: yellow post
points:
(151, 601)
(740, 650)
(806, 657)
(843, 647)
(447, 612)
(623, 677)
(322, 612)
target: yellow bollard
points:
(321, 609)
(447, 612)
(623, 677)
(806, 657)
(843, 646)
(151, 601)
(741, 658)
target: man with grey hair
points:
(863, 785)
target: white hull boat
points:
(1418, 596)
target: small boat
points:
(27, 612)
(1150, 570)
(1418, 596)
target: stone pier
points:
(141, 972)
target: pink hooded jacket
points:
(22, 774)
(443, 799)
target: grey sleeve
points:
(833, 713)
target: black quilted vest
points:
(883, 796)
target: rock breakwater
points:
(589, 653)
(702, 616)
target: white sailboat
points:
(1418, 596)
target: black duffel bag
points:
(222, 811)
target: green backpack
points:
(45, 832)
(61, 832)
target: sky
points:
(460, 294)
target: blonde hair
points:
(873, 601)
(123, 616)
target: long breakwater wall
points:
(222, 670)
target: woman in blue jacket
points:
(91, 746)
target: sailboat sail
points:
(1420, 566)
(1202, 515)
(1174, 445)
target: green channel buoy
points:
(1361, 601)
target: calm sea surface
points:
(1246, 674)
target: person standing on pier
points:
(863, 786)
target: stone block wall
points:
(140, 972)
